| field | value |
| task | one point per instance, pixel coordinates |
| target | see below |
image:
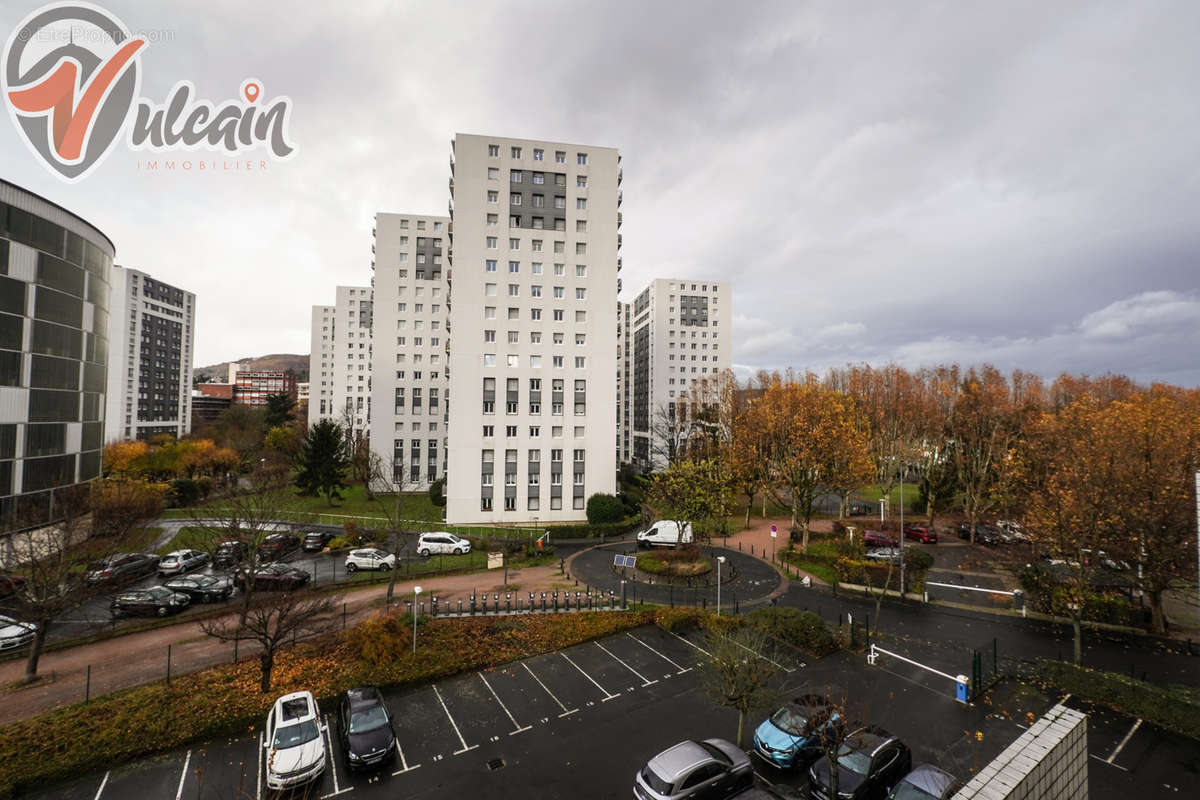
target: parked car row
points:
(870, 763)
(296, 748)
(1003, 532)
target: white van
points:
(665, 533)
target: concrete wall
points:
(1049, 760)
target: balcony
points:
(620, 263)
(620, 219)
(620, 198)
(619, 241)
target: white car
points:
(178, 562)
(665, 533)
(15, 634)
(294, 742)
(440, 542)
(369, 558)
(893, 554)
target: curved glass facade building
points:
(54, 293)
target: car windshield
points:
(158, 592)
(906, 791)
(789, 720)
(854, 760)
(655, 782)
(295, 735)
(369, 720)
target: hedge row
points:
(585, 530)
(1176, 708)
(226, 700)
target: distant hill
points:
(296, 363)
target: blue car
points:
(785, 735)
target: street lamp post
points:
(903, 467)
(720, 561)
(416, 591)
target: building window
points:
(493, 197)
(494, 150)
(581, 159)
(492, 242)
(538, 153)
(516, 152)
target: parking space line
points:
(607, 694)
(183, 774)
(689, 642)
(764, 658)
(1124, 742)
(622, 663)
(258, 776)
(516, 724)
(332, 764)
(552, 697)
(1107, 762)
(103, 783)
(403, 761)
(660, 655)
(454, 724)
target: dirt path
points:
(141, 658)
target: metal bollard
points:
(433, 606)
(555, 602)
(578, 605)
(531, 602)
(496, 602)
(460, 606)
(543, 602)
(508, 602)
(472, 604)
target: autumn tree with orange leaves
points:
(813, 440)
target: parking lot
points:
(579, 722)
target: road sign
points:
(774, 532)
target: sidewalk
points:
(141, 658)
(757, 539)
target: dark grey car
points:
(713, 768)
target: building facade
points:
(533, 359)
(624, 383)
(350, 373)
(410, 385)
(320, 365)
(254, 386)
(680, 331)
(152, 329)
(54, 293)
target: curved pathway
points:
(751, 581)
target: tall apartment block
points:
(54, 292)
(151, 329)
(681, 336)
(339, 364)
(533, 360)
(320, 364)
(410, 384)
(624, 382)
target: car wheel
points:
(460, 551)
(423, 552)
(162, 611)
(352, 568)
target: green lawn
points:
(873, 494)
(414, 506)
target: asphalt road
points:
(578, 723)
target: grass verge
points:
(1176, 708)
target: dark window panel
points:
(47, 473)
(89, 465)
(3, 256)
(8, 441)
(12, 295)
(75, 248)
(12, 332)
(49, 237)
(10, 368)
(91, 407)
(45, 440)
(93, 377)
(56, 340)
(20, 226)
(6, 473)
(58, 307)
(93, 259)
(47, 405)
(48, 372)
(58, 274)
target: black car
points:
(202, 588)
(984, 534)
(230, 554)
(155, 601)
(316, 541)
(926, 782)
(122, 568)
(276, 577)
(366, 728)
(870, 762)
(10, 585)
(278, 545)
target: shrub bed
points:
(226, 700)
(682, 561)
(1175, 708)
(801, 629)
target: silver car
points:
(178, 562)
(15, 634)
(713, 768)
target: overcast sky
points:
(929, 182)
